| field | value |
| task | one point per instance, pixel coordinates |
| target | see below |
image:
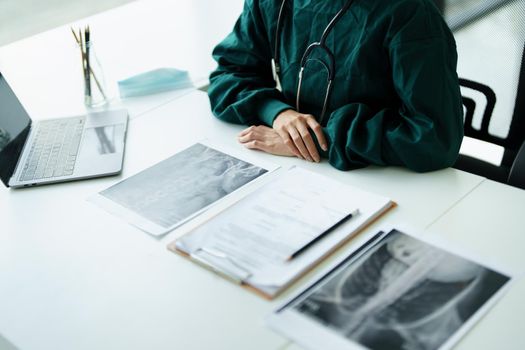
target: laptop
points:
(57, 150)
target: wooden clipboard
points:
(375, 206)
(253, 289)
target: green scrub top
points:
(395, 98)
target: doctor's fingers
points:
(248, 134)
(267, 140)
(260, 133)
(287, 140)
(256, 133)
(298, 141)
(260, 146)
(318, 131)
(248, 130)
(308, 142)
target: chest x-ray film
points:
(393, 292)
(168, 194)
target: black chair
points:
(512, 167)
(517, 172)
(482, 113)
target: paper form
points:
(261, 231)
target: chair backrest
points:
(516, 134)
(517, 171)
(491, 62)
(469, 103)
(461, 13)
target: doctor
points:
(355, 81)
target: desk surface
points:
(489, 223)
(75, 277)
(79, 278)
(45, 71)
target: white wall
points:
(23, 18)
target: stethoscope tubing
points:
(321, 44)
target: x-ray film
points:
(168, 194)
(395, 292)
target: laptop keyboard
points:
(54, 149)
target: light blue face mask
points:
(155, 81)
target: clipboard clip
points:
(221, 263)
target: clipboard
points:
(270, 282)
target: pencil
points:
(322, 235)
(75, 35)
(88, 65)
(84, 67)
(90, 69)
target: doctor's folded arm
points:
(356, 82)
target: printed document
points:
(254, 238)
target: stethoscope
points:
(318, 45)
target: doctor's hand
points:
(265, 139)
(293, 129)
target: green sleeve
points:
(425, 132)
(242, 89)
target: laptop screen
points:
(14, 128)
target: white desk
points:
(75, 277)
(45, 71)
(490, 223)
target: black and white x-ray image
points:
(182, 185)
(403, 294)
